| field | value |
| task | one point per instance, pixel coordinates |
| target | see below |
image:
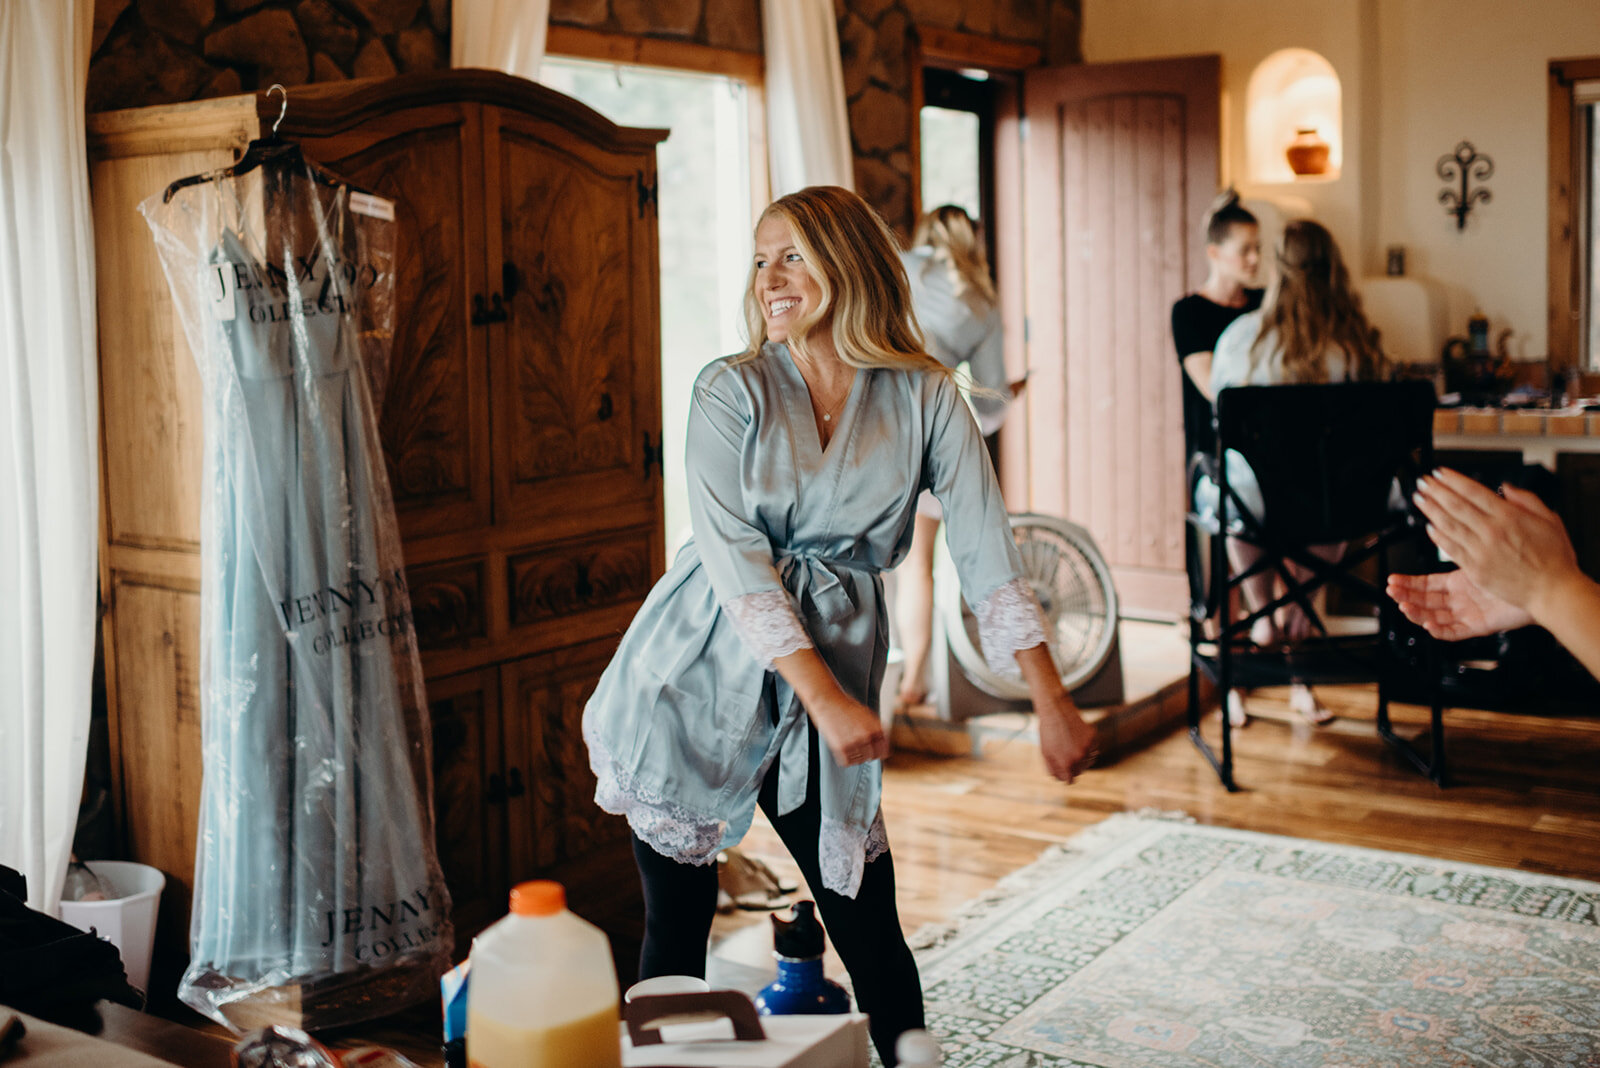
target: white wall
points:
(1418, 76)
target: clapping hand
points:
(1512, 551)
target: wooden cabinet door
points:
(552, 816)
(576, 364)
(434, 420)
(469, 801)
(1120, 163)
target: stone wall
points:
(872, 44)
(163, 51)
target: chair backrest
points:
(1326, 456)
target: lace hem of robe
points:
(676, 832)
(767, 624)
(843, 852)
(1009, 620)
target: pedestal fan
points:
(1073, 583)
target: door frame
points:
(953, 50)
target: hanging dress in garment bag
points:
(316, 881)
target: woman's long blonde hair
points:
(953, 236)
(850, 253)
(1312, 306)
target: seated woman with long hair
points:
(1310, 329)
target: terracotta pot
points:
(1307, 153)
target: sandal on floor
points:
(748, 884)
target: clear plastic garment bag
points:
(317, 886)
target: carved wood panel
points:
(544, 743)
(433, 420)
(447, 603)
(581, 360)
(579, 578)
(469, 819)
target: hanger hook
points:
(283, 110)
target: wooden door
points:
(434, 419)
(1120, 162)
(553, 817)
(576, 364)
(469, 797)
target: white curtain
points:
(808, 122)
(49, 460)
(503, 35)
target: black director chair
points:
(1329, 460)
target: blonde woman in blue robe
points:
(745, 679)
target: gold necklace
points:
(827, 413)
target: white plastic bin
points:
(127, 921)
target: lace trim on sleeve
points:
(843, 852)
(1009, 620)
(672, 830)
(767, 624)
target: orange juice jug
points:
(543, 993)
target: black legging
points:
(680, 901)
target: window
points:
(704, 217)
(956, 143)
(1574, 234)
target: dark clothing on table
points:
(680, 901)
(1196, 324)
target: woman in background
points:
(1233, 253)
(959, 313)
(1233, 256)
(1310, 329)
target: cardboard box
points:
(699, 1031)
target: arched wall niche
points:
(1291, 90)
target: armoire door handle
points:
(515, 787)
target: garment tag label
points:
(218, 283)
(367, 204)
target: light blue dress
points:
(790, 541)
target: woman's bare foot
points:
(1303, 702)
(1237, 715)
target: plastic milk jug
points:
(543, 991)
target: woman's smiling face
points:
(783, 285)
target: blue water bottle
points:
(800, 989)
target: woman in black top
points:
(1233, 248)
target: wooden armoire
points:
(521, 428)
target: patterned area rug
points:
(1159, 944)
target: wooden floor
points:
(1526, 795)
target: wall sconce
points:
(1464, 163)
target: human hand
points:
(1067, 742)
(1512, 547)
(1452, 607)
(851, 730)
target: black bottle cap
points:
(801, 937)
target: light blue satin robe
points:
(681, 727)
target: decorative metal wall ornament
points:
(1467, 164)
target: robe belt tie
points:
(815, 579)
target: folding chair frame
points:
(1364, 656)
